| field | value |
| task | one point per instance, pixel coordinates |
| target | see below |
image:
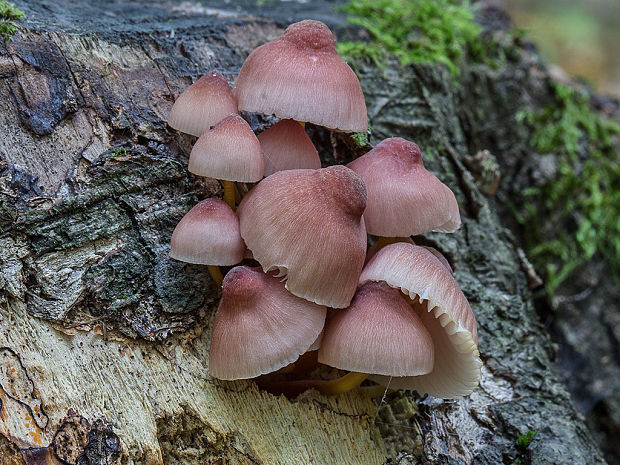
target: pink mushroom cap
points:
(203, 104)
(301, 76)
(439, 256)
(378, 333)
(228, 151)
(404, 199)
(286, 146)
(308, 225)
(208, 235)
(445, 312)
(259, 326)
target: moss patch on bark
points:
(427, 31)
(579, 204)
(9, 13)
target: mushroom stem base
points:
(346, 383)
(229, 193)
(216, 274)
(329, 388)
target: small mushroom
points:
(445, 312)
(404, 199)
(308, 225)
(378, 333)
(301, 76)
(286, 146)
(203, 104)
(208, 235)
(229, 151)
(259, 326)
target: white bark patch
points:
(132, 385)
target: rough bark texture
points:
(104, 339)
(583, 318)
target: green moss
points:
(361, 138)
(432, 153)
(106, 69)
(523, 442)
(119, 152)
(9, 13)
(431, 31)
(8, 211)
(575, 216)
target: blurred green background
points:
(581, 36)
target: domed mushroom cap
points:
(228, 151)
(439, 256)
(301, 76)
(404, 199)
(259, 326)
(208, 235)
(308, 224)
(286, 146)
(203, 104)
(445, 312)
(378, 333)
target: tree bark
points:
(104, 339)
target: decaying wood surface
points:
(104, 339)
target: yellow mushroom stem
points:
(216, 274)
(327, 387)
(346, 383)
(229, 193)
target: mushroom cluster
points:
(397, 312)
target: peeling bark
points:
(108, 337)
